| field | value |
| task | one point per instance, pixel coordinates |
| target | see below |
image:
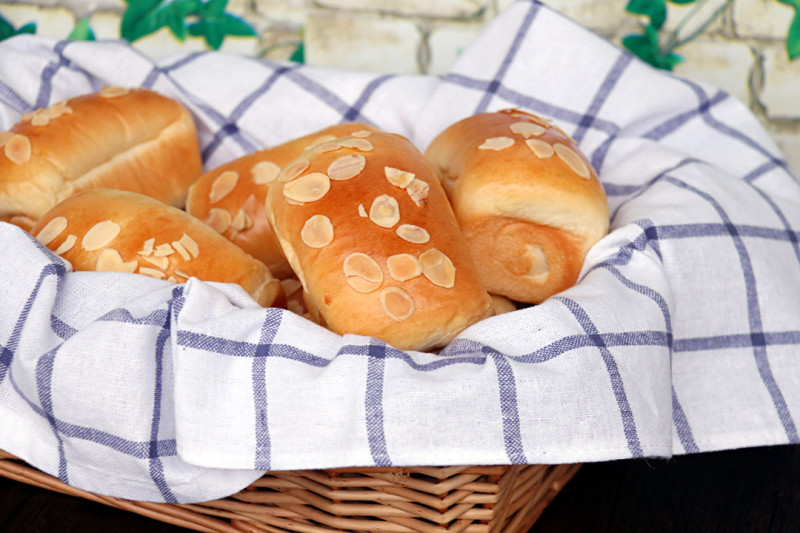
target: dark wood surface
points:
(752, 490)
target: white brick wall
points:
(742, 52)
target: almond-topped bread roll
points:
(129, 139)
(112, 230)
(230, 198)
(368, 230)
(528, 201)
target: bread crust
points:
(373, 253)
(112, 230)
(528, 201)
(231, 197)
(129, 139)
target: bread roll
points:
(134, 140)
(230, 198)
(367, 228)
(112, 230)
(528, 201)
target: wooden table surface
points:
(753, 490)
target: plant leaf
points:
(6, 29)
(682, 2)
(793, 37)
(299, 54)
(655, 10)
(82, 31)
(27, 28)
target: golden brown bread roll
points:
(367, 228)
(129, 139)
(230, 198)
(112, 230)
(528, 201)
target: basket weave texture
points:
(469, 499)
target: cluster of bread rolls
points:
(351, 227)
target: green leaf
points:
(82, 31)
(793, 37)
(299, 54)
(646, 48)
(27, 28)
(215, 7)
(682, 2)
(655, 10)
(6, 29)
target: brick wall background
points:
(742, 52)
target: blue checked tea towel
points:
(682, 336)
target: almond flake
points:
(361, 211)
(147, 247)
(541, 149)
(100, 235)
(346, 167)
(496, 143)
(397, 177)
(438, 268)
(181, 251)
(51, 230)
(241, 221)
(219, 219)
(317, 232)
(308, 188)
(152, 272)
(181, 273)
(223, 185)
(418, 191)
(527, 129)
(109, 260)
(384, 211)
(18, 149)
(264, 172)
(326, 147)
(571, 158)
(361, 265)
(163, 250)
(362, 285)
(403, 267)
(67, 245)
(360, 134)
(293, 170)
(159, 261)
(412, 233)
(40, 119)
(359, 144)
(397, 303)
(190, 245)
(113, 92)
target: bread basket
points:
(470, 499)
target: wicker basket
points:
(469, 499)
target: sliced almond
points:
(163, 250)
(346, 167)
(361, 211)
(362, 145)
(67, 245)
(397, 303)
(384, 211)
(181, 273)
(403, 267)
(496, 143)
(438, 268)
(18, 149)
(362, 285)
(397, 177)
(152, 272)
(40, 119)
(264, 172)
(527, 129)
(571, 158)
(321, 139)
(113, 92)
(182, 251)
(361, 134)
(293, 170)
(308, 188)
(418, 191)
(317, 231)
(362, 265)
(160, 262)
(326, 147)
(540, 148)
(223, 185)
(100, 235)
(241, 221)
(51, 230)
(412, 233)
(190, 245)
(109, 260)
(147, 247)
(219, 219)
